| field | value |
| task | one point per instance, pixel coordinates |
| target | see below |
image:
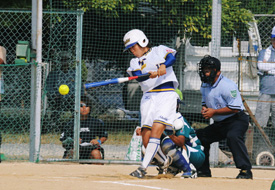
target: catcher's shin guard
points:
(180, 162)
(167, 144)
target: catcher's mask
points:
(213, 64)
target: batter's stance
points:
(159, 101)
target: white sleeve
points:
(266, 66)
(264, 63)
(129, 71)
(134, 66)
(267, 54)
(164, 50)
(272, 72)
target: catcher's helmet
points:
(133, 37)
(209, 62)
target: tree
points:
(16, 4)
(191, 18)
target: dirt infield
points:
(73, 176)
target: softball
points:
(64, 89)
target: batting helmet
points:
(133, 37)
(209, 62)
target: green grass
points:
(25, 138)
(119, 139)
(113, 139)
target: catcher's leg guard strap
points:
(179, 161)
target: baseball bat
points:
(114, 81)
(258, 125)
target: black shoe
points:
(204, 173)
(160, 170)
(245, 174)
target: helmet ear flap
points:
(133, 37)
(143, 42)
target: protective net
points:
(114, 110)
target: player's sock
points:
(180, 162)
(160, 157)
(151, 150)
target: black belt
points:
(231, 117)
(266, 74)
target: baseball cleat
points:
(245, 174)
(204, 173)
(139, 173)
(191, 174)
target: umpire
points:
(221, 101)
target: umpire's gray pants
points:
(265, 105)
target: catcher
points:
(90, 129)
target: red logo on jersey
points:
(169, 50)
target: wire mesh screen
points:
(60, 79)
(265, 25)
(15, 112)
(58, 67)
(15, 101)
(185, 26)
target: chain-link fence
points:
(185, 27)
(265, 24)
(58, 67)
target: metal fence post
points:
(215, 52)
(35, 124)
(78, 85)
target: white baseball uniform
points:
(159, 100)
